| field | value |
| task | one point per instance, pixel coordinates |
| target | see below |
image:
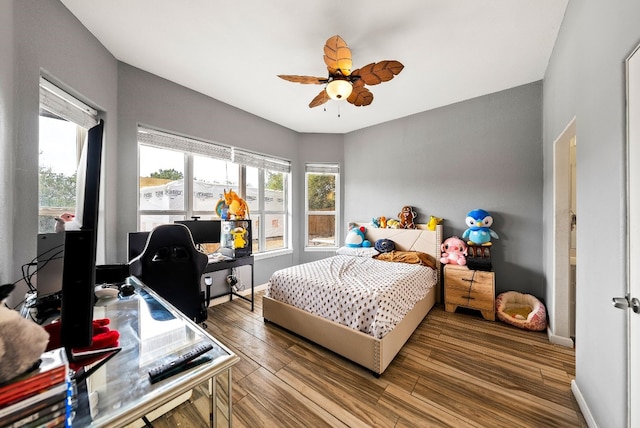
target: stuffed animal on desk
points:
(238, 237)
(22, 341)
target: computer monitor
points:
(203, 231)
(136, 241)
(50, 258)
(79, 267)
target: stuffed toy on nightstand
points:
(454, 251)
(479, 232)
(478, 237)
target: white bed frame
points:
(366, 350)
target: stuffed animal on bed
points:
(407, 217)
(355, 237)
(379, 222)
(479, 232)
(454, 251)
(22, 341)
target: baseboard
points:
(586, 413)
(559, 340)
(246, 292)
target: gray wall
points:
(482, 153)
(147, 99)
(586, 80)
(7, 145)
(317, 148)
(48, 38)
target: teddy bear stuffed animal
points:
(22, 341)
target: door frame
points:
(559, 331)
(632, 65)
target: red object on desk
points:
(103, 338)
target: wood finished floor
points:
(456, 370)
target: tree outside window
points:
(322, 205)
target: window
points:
(322, 194)
(182, 178)
(63, 125)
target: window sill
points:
(321, 249)
(271, 254)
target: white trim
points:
(559, 311)
(582, 403)
(559, 340)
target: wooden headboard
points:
(420, 239)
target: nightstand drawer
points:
(469, 288)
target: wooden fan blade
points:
(320, 99)
(337, 56)
(360, 96)
(303, 79)
(378, 72)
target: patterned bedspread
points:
(362, 293)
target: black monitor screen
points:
(79, 268)
(203, 231)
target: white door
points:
(633, 141)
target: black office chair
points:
(171, 265)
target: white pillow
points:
(357, 251)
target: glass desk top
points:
(152, 332)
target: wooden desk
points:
(228, 265)
(152, 332)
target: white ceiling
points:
(452, 50)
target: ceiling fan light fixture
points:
(339, 89)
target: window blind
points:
(190, 145)
(66, 106)
(260, 161)
(322, 168)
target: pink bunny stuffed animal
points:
(454, 251)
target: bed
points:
(376, 348)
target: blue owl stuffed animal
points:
(479, 232)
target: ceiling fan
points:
(344, 83)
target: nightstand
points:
(473, 289)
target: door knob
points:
(621, 302)
(625, 303)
